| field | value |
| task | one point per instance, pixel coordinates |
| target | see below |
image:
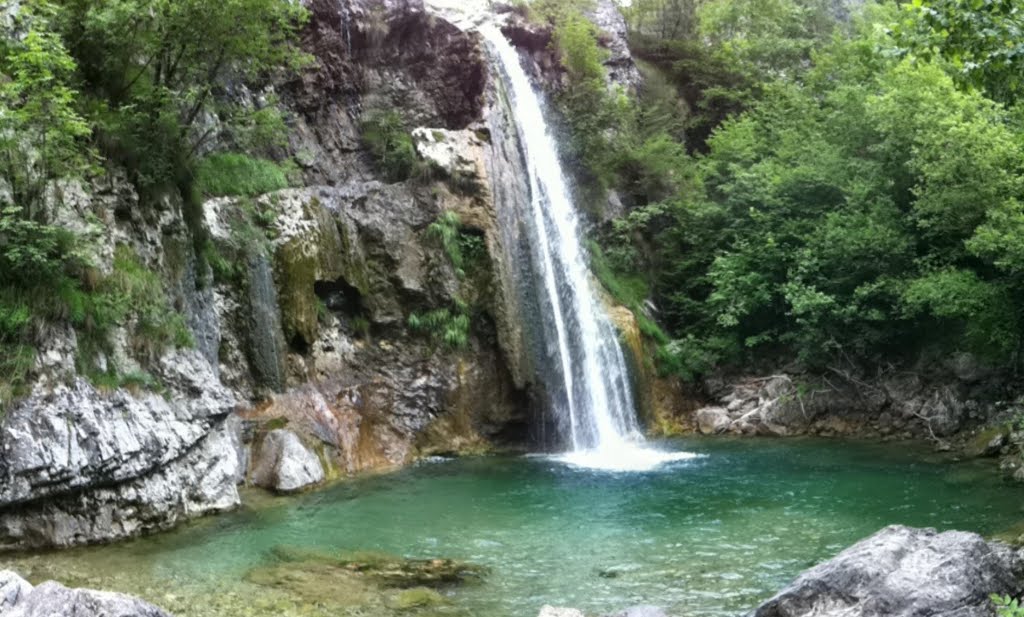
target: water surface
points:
(711, 535)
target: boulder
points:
(712, 420)
(55, 600)
(904, 572)
(13, 589)
(284, 464)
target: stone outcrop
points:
(904, 572)
(74, 437)
(204, 481)
(19, 599)
(619, 65)
(80, 465)
(901, 404)
(391, 55)
(284, 464)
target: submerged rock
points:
(416, 597)
(363, 579)
(55, 600)
(904, 572)
(284, 464)
(388, 570)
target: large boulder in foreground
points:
(904, 572)
(19, 599)
(13, 589)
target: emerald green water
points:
(713, 535)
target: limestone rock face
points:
(284, 464)
(904, 572)
(80, 465)
(73, 437)
(391, 55)
(13, 589)
(535, 40)
(621, 69)
(204, 481)
(54, 600)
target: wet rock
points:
(54, 600)
(284, 464)
(904, 572)
(379, 55)
(555, 611)
(713, 420)
(13, 589)
(987, 443)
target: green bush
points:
(238, 175)
(390, 143)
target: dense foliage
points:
(850, 190)
(140, 84)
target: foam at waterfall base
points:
(623, 457)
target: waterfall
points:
(589, 385)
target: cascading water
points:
(592, 402)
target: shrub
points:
(389, 142)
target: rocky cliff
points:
(331, 315)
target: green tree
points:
(41, 133)
(982, 40)
(154, 67)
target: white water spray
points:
(594, 407)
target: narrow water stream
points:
(711, 535)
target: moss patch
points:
(296, 270)
(418, 597)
